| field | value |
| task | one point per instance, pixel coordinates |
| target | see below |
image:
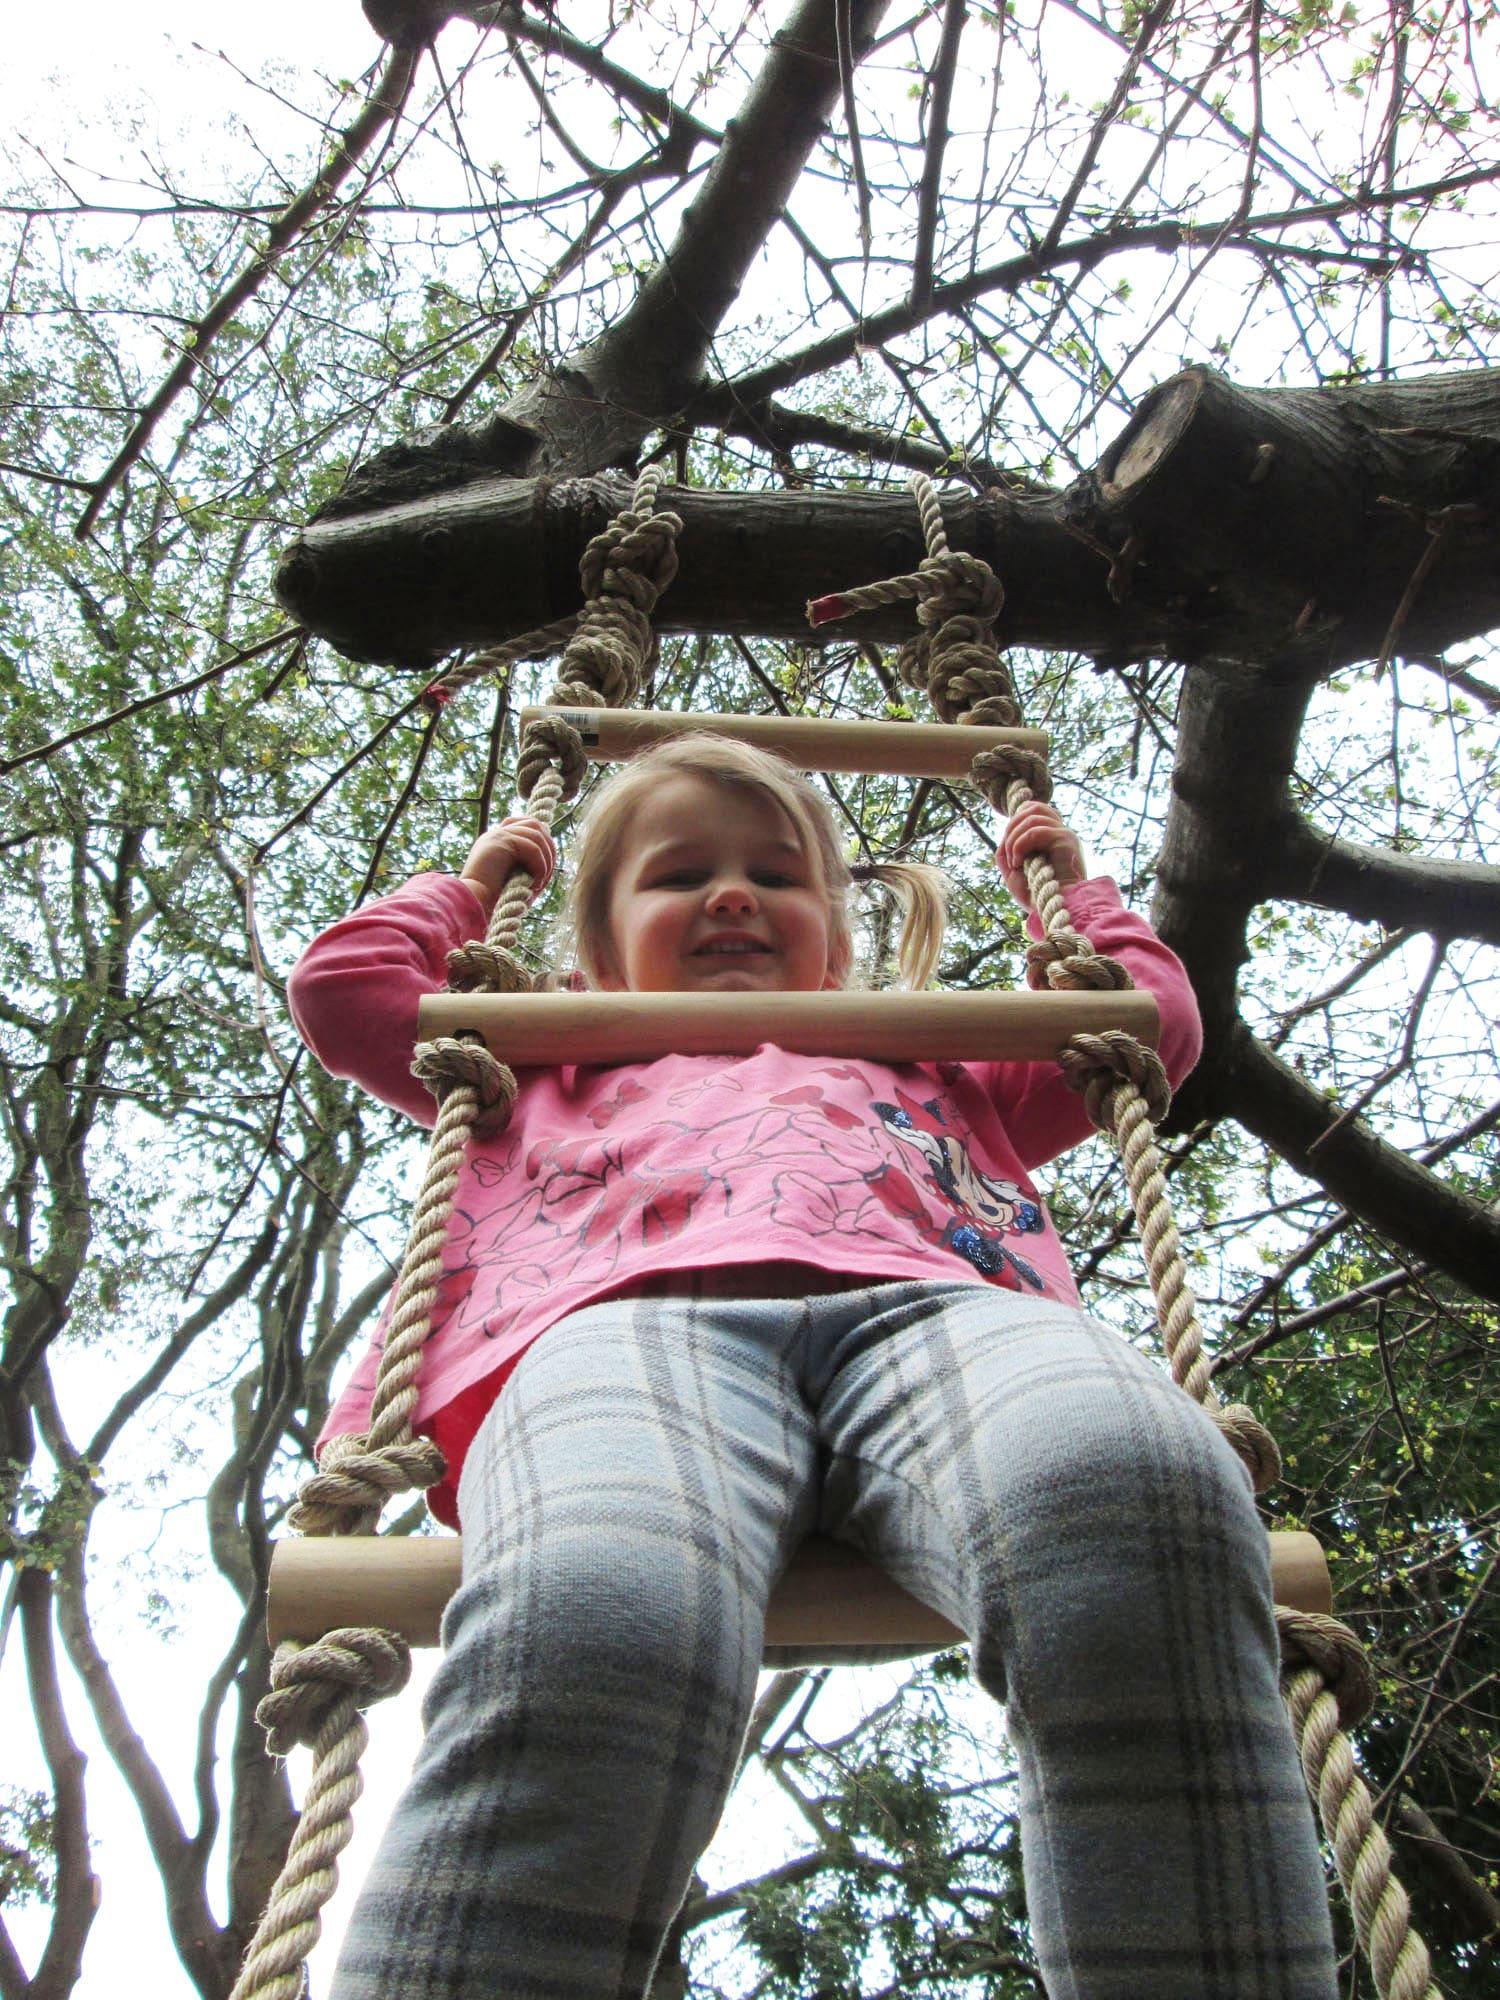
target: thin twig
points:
(492, 756)
(305, 811)
(843, 12)
(403, 800)
(145, 701)
(930, 192)
(384, 107)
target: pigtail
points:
(922, 894)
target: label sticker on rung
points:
(585, 721)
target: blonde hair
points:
(921, 892)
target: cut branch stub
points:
(1320, 497)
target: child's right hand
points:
(500, 850)
(1039, 829)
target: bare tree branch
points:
(1450, 899)
(76, 1896)
(1382, 1186)
(383, 108)
(939, 103)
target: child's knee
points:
(1123, 1528)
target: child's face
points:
(712, 893)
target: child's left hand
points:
(1038, 829)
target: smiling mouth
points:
(731, 948)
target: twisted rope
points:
(317, 1691)
(624, 569)
(1326, 1679)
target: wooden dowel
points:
(831, 1595)
(908, 749)
(526, 1029)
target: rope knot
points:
(993, 711)
(486, 968)
(1068, 963)
(1101, 1065)
(352, 1484)
(1308, 1639)
(993, 772)
(551, 742)
(636, 554)
(1258, 1451)
(309, 1684)
(448, 1063)
(959, 582)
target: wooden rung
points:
(526, 1029)
(831, 1595)
(906, 749)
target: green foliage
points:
(914, 1882)
(26, 1847)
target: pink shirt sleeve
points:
(353, 993)
(1041, 1115)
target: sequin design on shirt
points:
(984, 1209)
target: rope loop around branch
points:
(636, 553)
(308, 1682)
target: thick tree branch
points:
(1422, 1839)
(939, 101)
(1449, 899)
(14, 1983)
(1254, 515)
(1384, 1187)
(76, 1893)
(195, 1930)
(594, 412)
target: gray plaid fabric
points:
(626, 1506)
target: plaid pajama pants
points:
(628, 1503)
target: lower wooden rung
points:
(549, 1028)
(830, 1596)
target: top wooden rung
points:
(905, 749)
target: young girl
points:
(698, 1308)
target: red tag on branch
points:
(823, 610)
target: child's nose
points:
(732, 894)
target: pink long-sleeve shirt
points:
(609, 1177)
